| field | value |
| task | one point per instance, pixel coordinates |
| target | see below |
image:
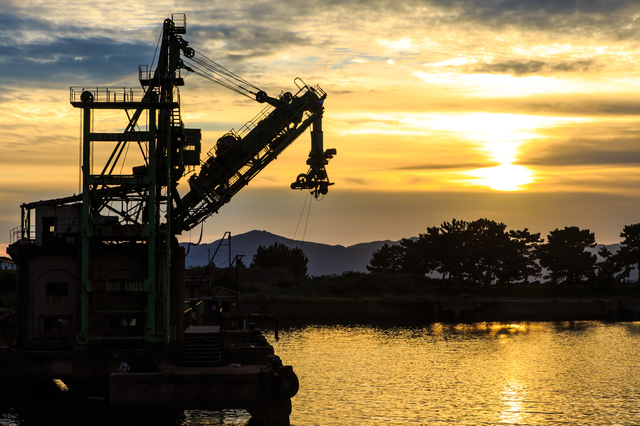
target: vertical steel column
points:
(317, 142)
(174, 64)
(151, 230)
(168, 236)
(26, 222)
(85, 244)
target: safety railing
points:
(302, 86)
(15, 235)
(251, 124)
(144, 73)
(106, 94)
(18, 234)
(179, 22)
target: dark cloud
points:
(246, 40)
(357, 181)
(581, 18)
(520, 67)
(506, 7)
(92, 59)
(583, 107)
(251, 30)
(453, 166)
(15, 23)
(287, 9)
(587, 152)
(5, 95)
(551, 104)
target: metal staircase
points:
(202, 346)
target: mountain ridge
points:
(324, 259)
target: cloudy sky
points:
(524, 112)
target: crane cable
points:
(214, 72)
(153, 61)
(300, 218)
(195, 244)
(196, 70)
(304, 234)
(226, 72)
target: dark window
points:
(57, 289)
(48, 227)
(128, 325)
(55, 325)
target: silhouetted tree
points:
(278, 255)
(462, 251)
(240, 263)
(629, 252)
(565, 257)
(483, 252)
(486, 246)
(453, 246)
(610, 270)
(387, 259)
(523, 265)
(411, 261)
(424, 254)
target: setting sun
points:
(505, 177)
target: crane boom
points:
(239, 156)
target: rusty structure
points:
(101, 276)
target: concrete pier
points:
(254, 388)
(235, 370)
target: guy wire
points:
(300, 218)
(304, 234)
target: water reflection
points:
(481, 373)
(488, 329)
(512, 400)
(69, 415)
(217, 418)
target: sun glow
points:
(500, 85)
(488, 127)
(404, 43)
(505, 177)
(488, 146)
(500, 137)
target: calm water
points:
(581, 373)
(578, 373)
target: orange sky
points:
(524, 112)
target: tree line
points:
(279, 255)
(483, 252)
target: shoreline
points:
(456, 309)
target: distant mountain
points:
(324, 259)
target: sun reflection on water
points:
(492, 329)
(512, 399)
